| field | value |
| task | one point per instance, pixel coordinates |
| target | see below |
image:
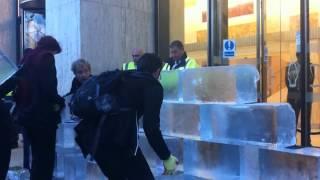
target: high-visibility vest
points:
(190, 64)
(129, 66)
(9, 94)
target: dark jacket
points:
(36, 92)
(137, 97)
(146, 95)
(75, 86)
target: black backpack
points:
(96, 96)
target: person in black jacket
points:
(38, 105)
(5, 144)
(144, 96)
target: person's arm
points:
(73, 88)
(151, 121)
(48, 80)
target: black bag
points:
(96, 95)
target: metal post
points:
(305, 63)
(260, 47)
(210, 32)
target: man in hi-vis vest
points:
(132, 65)
(178, 58)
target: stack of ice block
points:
(226, 134)
(212, 122)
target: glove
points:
(170, 165)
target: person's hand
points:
(170, 165)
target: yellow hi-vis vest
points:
(129, 66)
(190, 64)
(9, 94)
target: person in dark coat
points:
(122, 159)
(38, 105)
(5, 144)
(8, 138)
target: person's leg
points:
(295, 104)
(139, 168)
(5, 153)
(43, 152)
(112, 162)
(5, 140)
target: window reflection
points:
(34, 28)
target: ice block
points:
(290, 164)
(262, 122)
(18, 173)
(70, 163)
(180, 119)
(211, 160)
(237, 160)
(66, 135)
(236, 83)
(7, 67)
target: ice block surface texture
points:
(236, 83)
(258, 123)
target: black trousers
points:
(5, 153)
(42, 141)
(5, 140)
(120, 164)
(296, 105)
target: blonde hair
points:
(80, 63)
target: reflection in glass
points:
(190, 25)
(34, 28)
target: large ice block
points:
(262, 122)
(180, 119)
(237, 83)
(240, 161)
(211, 160)
(7, 67)
(66, 135)
(278, 164)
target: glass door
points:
(313, 96)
